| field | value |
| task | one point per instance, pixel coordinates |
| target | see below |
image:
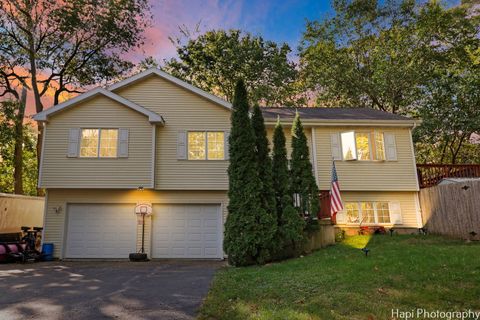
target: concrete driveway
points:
(104, 290)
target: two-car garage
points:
(109, 231)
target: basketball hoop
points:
(144, 209)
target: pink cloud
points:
(169, 15)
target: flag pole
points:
(336, 204)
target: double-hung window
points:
(362, 141)
(98, 143)
(368, 212)
(362, 145)
(206, 145)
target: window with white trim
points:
(353, 213)
(362, 145)
(206, 145)
(362, 141)
(98, 143)
(368, 212)
(382, 212)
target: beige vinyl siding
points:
(59, 171)
(407, 200)
(182, 110)
(55, 223)
(355, 175)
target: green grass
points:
(339, 282)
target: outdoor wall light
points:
(366, 251)
(57, 209)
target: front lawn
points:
(401, 272)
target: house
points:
(153, 139)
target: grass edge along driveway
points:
(402, 272)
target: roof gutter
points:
(351, 122)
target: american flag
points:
(335, 199)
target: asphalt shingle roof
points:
(330, 114)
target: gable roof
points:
(319, 114)
(152, 116)
(170, 78)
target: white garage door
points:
(100, 231)
(187, 231)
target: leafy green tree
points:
(290, 223)
(450, 116)
(264, 161)
(364, 56)
(407, 57)
(303, 185)
(281, 174)
(9, 160)
(214, 61)
(449, 105)
(59, 47)
(147, 63)
(249, 229)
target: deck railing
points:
(431, 174)
(324, 197)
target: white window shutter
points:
(122, 148)
(390, 146)
(341, 217)
(73, 142)
(336, 148)
(226, 151)
(348, 145)
(182, 145)
(395, 212)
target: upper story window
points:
(379, 143)
(363, 145)
(98, 143)
(206, 145)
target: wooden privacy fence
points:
(18, 210)
(452, 209)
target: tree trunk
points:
(36, 94)
(459, 146)
(38, 108)
(18, 153)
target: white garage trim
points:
(188, 231)
(111, 234)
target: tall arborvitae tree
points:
(264, 161)
(281, 176)
(304, 186)
(249, 230)
(290, 222)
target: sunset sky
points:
(277, 20)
